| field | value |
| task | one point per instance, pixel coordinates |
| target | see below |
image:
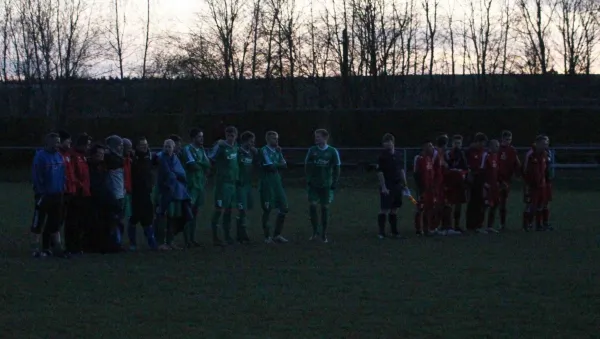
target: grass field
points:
(512, 285)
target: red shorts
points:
(491, 196)
(538, 196)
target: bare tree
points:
(224, 16)
(117, 30)
(537, 16)
(430, 9)
(146, 39)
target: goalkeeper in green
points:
(225, 157)
(272, 194)
(322, 167)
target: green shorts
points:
(245, 198)
(273, 197)
(225, 196)
(175, 209)
(127, 209)
(196, 197)
(321, 196)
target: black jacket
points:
(142, 178)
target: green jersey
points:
(196, 164)
(225, 157)
(246, 163)
(322, 166)
(271, 161)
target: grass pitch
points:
(512, 285)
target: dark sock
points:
(214, 224)
(265, 222)
(314, 218)
(491, 217)
(241, 226)
(149, 233)
(457, 213)
(419, 221)
(503, 216)
(227, 224)
(538, 218)
(447, 217)
(132, 234)
(279, 224)
(324, 219)
(546, 216)
(381, 223)
(393, 220)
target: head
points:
(427, 148)
(177, 140)
(388, 141)
(169, 147)
(127, 146)
(65, 140)
(82, 143)
(272, 138)
(547, 141)
(457, 141)
(97, 153)
(142, 145)
(506, 138)
(321, 137)
(52, 142)
(115, 144)
(247, 139)
(494, 146)
(197, 137)
(231, 134)
(540, 143)
(480, 140)
(442, 142)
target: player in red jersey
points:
(475, 205)
(534, 170)
(425, 177)
(510, 166)
(442, 212)
(454, 181)
(491, 186)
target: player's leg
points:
(229, 204)
(244, 196)
(266, 203)
(37, 227)
(313, 202)
(216, 216)
(54, 220)
(70, 222)
(418, 218)
(145, 217)
(502, 206)
(392, 215)
(134, 219)
(385, 206)
(546, 209)
(281, 204)
(325, 199)
(528, 212)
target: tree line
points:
(286, 39)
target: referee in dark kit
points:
(392, 183)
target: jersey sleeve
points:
(336, 158)
(188, 157)
(265, 158)
(380, 163)
(214, 152)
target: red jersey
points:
(535, 167)
(439, 167)
(82, 173)
(424, 171)
(71, 180)
(474, 159)
(491, 169)
(127, 173)
(509, 163)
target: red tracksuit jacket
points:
(71, 180)
(82, 174)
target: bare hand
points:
(385, 191)
(221, 142)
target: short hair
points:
(113, 140)
(169, 141)
(127, 142)
(442, 140)
(176, 138)
(83, 139)
(457, 137)
(480, 137)
(231, 130)
(194, 132)
(540, 137)
(270, 133)
(246, 136)
(494, 141)
(51, 135)
(95, 147)
(63, 135)
(388, 137)
(506, 134)
(140, 139)
(323, 132)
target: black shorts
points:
(392, 200)
(142, 209)
(48, 213)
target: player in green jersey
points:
(225, 157)
(247, 161)
(322, 167)
(196, 165)
(272, 194)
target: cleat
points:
(381, 236)
(164, 247)
(280, 239)
(314, 237)
(452, 232)
(540, 228)
(492, 230)
(502, 228)
(442, 232)
(325, 240)
(420, 233)
(481, 231)
(37, 254)
(268, 240)
(549, 227)
(175, 247)
(397, 236)
(132, 248)
(459, 230)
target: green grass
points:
(512, 285)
